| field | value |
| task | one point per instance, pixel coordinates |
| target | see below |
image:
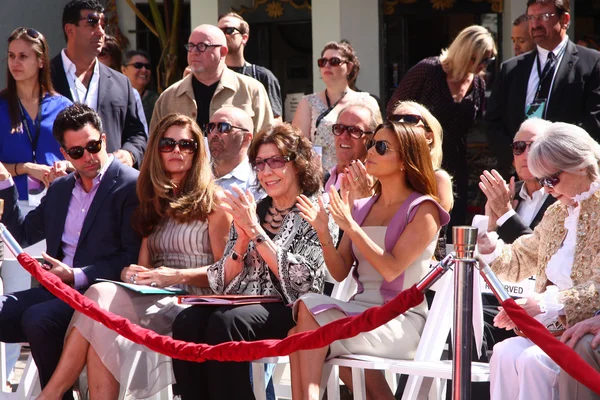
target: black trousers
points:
(38, 317)
(213, 325)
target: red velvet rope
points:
(559, 352)
(231, 351)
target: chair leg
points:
(359, 388)
(332, 374)
(258, 381)
(3, 372)
(29, 383)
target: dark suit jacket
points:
(514, 227)
(575, 97)
(107, 242)
(116, 106)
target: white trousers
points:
(520, 370)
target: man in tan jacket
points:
(212, 85)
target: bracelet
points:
(237, 257)
(258, 239)
(17, 169)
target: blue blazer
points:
(107, 242)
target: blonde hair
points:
(435, 146)
(467, 50)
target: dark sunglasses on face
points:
(222, 127)
(381, 147)
(230, 30)
(333, 61)
(94, 19)
(103, 52)
(93, 147)
(550, 181)
(274, 162)
(201, 47)
(167, 145)
(519, 147)
(411, 119)
(139, 65)
(354, 131)
(486, 61)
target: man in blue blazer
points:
(86, 220)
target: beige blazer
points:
(529, 255)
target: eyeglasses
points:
(167, 145)
(412, 119)
(33, 34)
(520, 146)
(93, 147)
(333, 61)
(230, 30)
(103, 52)
(381, 147)
(139, 65)
(94, 19)
(222, 127)
(201, 47)
(550, 181)
(540, 17)
(486, 61)
(354, 131)
(274, 162)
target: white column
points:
(204, 12)
(127, 22)
(326, 27)
(512, 9)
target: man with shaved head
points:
(212, 85)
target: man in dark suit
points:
(85, 219)
(558, 81)
(77, 74)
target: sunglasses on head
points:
(354, 131)
(412, 119)
(93, 147)
(33, 34)
(333, 61)
(139, 65)
(519, 147)
(222, 127)
(230, 30)
(94, 19)
(381, 147)
(274, 162)
(550, 181)
(167, 145)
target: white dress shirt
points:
(79, 92)
(528, 206)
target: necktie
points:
(547, 76)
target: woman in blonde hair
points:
(451, 86)
(184, 231)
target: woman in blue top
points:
(28, 107)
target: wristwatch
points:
(236, 257)
(258, 239)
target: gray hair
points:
(374, 114)
(564, 147)
(535, 125)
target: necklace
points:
(275, 216)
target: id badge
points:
(536, 109)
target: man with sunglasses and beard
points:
(237, 32)
(85, 219)
(211, 85)
(78, 75)
(558, 81)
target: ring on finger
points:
(153, 284)
(355, 179)
(133, 277)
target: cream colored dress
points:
(140, 371)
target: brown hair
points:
(562, 6)
(414, 152)
(349, 55)
(113, 50)
(42, 51)
(292, 143)
(198, 191)
(244, 27)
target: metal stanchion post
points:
(465, 239)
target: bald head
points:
(235, 116)
(208, 33)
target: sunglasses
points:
(93, 147)
(230, 30)
(222, 127)
(103, 52)
(333, 61)
(519, 147)
(33, 34)
(485, 61)
(411, 119)
(201, 47)
(381, 147)
(354, 131)
(139, 65)
(94, 19)
(167, 145)
(274, 162)
(550, 181)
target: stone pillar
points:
(512, 9)
(204, 12)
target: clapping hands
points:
(500, 195)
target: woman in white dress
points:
(391, 236)
(184, 230)
(317, 112)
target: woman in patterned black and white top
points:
(272, 250)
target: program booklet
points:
(145, 289)
(228, 300)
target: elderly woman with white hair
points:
(563, 251)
